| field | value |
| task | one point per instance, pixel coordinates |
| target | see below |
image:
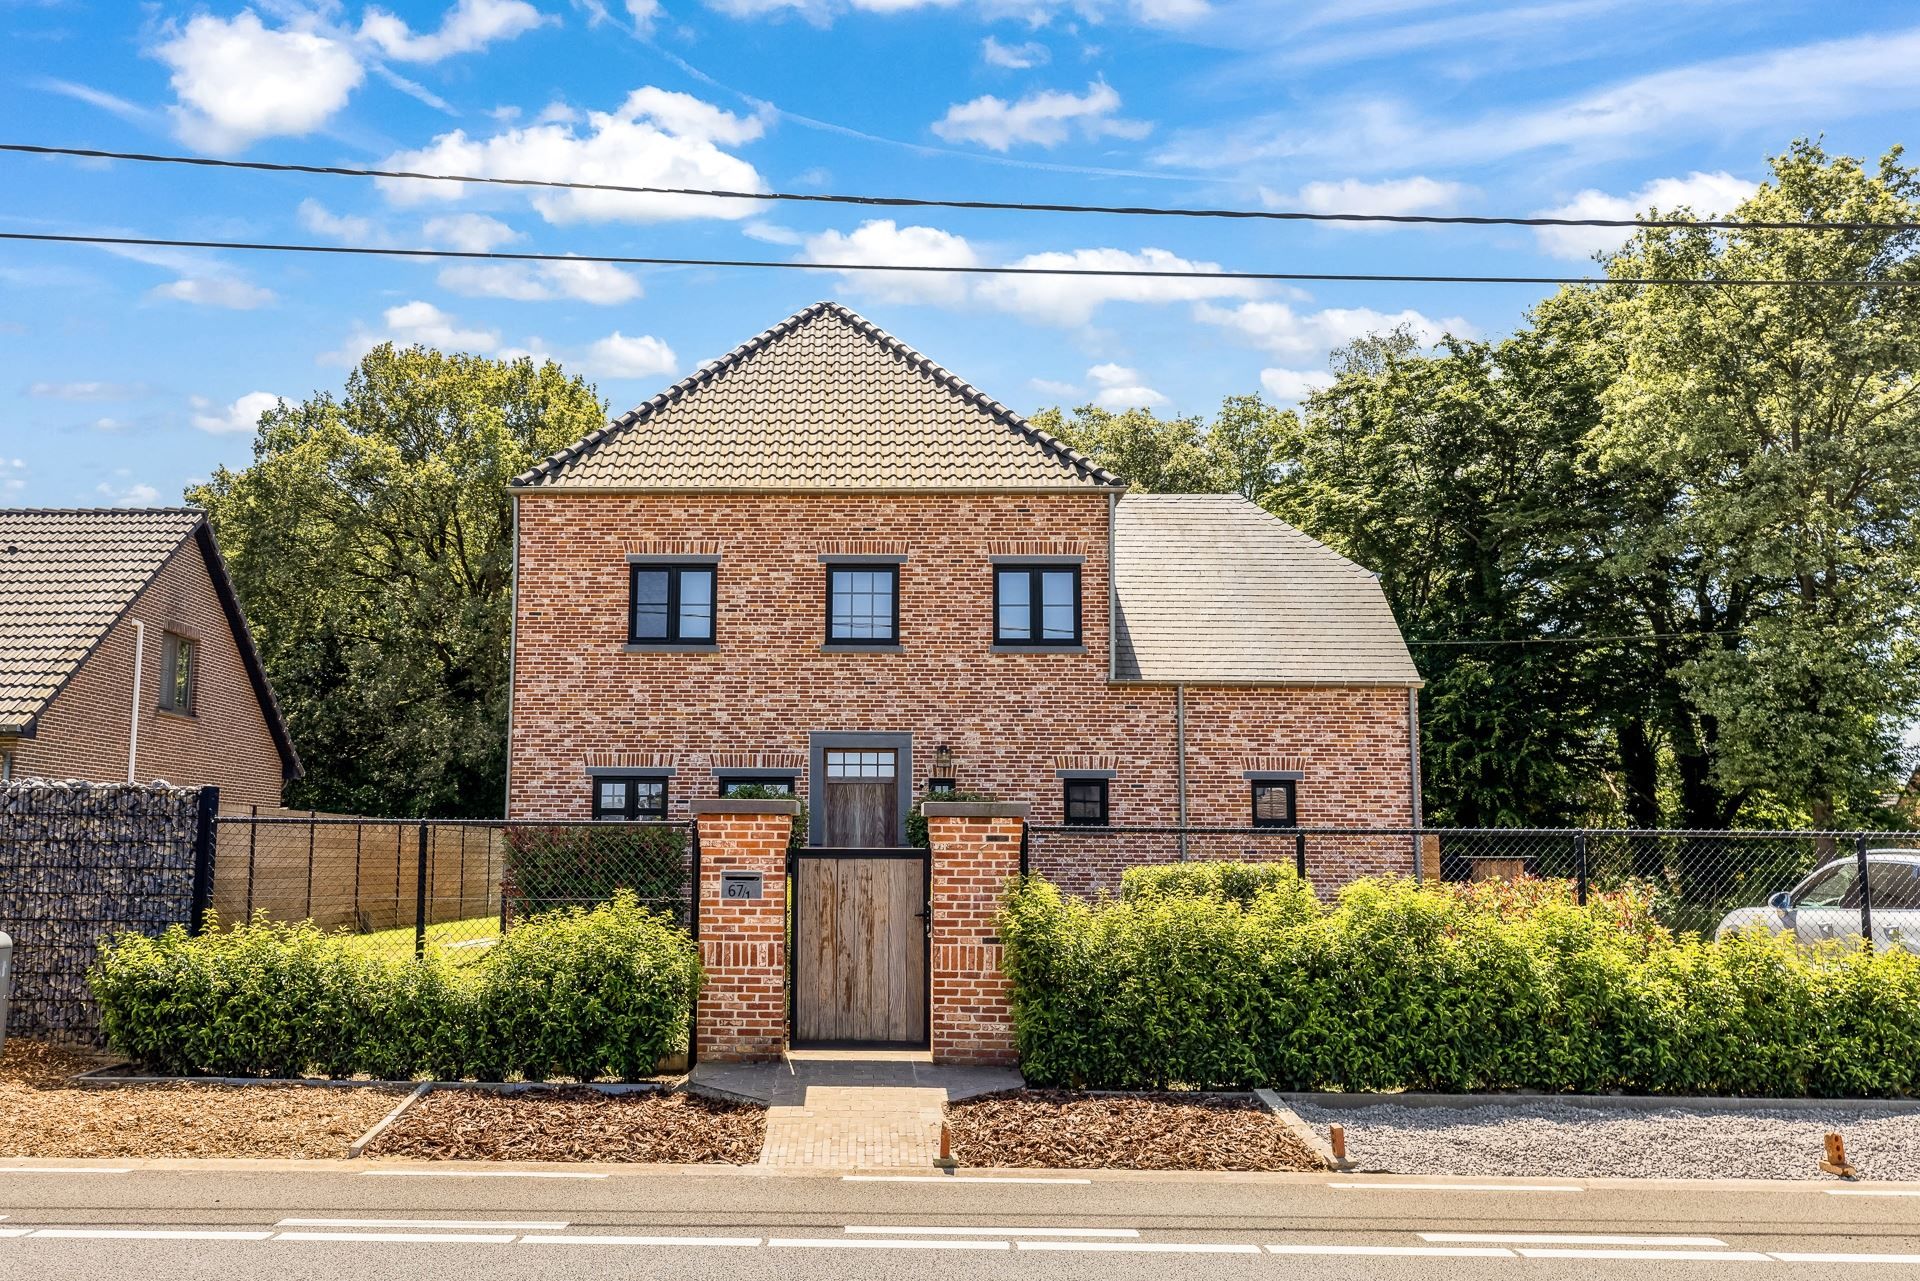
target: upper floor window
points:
(863, 605)
(179, 672)
(1085, 802)
(672, 605)
(1273, 802)
(1036, 605)
(629, 798)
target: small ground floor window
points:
(1086, 802)
(1273, 801)
(629, 798)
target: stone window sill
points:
(861, 649)
(670, 649)
(1039, 649)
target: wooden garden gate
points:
(860, 947)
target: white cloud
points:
(408, 324)
(772, 233)
(655, 139)
(1015, 57)
(238, 80)
(243, 415)
(1050, 387)
(1291, 386)
(1045, 119)
(594, 282)
(1393, 196)
(138, 495)
(1072, 300)
(229, 292)
(96, 391)
(881, 241)
(469, 25)
(348, 228)
(1278, 328)
(1702, 194)
(644, 13)
(13, 475)
(1034, 12)
(618, 356)
(469, 232)
(1119, 387)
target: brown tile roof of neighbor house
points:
(1211, 589)
(824, 400)
(66, 577)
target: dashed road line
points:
(870, 1243)
(65, 1169)
(949, 1178)
(581, 1239)
(1456, 1187)
(1568, 1238)
(484, 1174)
(1817, 1257)
(998, 1232)
(1141, 1247)
(150, 1234)
(497, 1225)
(1396, 1251)
(444, 1238)
(1872, 1191)
(1596, 1252)
(14, 1232)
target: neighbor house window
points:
(179, 661)
(862, 605)
(1273, 802)
(1036, 605)
(629, 798)
(781, 783)
(1086, 802)
(671, 605)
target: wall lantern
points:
(942, 779)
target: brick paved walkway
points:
(851, 1111)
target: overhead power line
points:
(923, 202)
(1130, 273)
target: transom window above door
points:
(1036, 605)
(671, 605)
(863, 605)
(854, 764)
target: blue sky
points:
(125, 376)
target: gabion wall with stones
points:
(77, 862)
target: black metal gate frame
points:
(813, 852)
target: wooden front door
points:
(861, 792)
(860, 949)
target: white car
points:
(1827, 904)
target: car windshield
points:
(1894, 885)
(1833, 887)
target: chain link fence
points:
(449, 888)
(1835, 881)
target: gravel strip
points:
(1063, 1130)
(1558, 1140)
(42, 1114)
(575, 1125)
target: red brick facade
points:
(226, 742)
(743, 1008)
(975, 851)
(1012, 720)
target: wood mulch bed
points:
(43, 1114)
(575, 1125)
(1067, 1130)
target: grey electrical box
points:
(741, 885)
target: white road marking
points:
(498, 1225)
(869, 1243)
(1871, 1191)
(14, 1232)
(1004, 1232)
(947, 1178)
(447, 1238)
(64, 1169)
(1717, 1256)
(1141, 1247)
(615, 1240)
(1456, 1187)
(149, 1234)
(484, 1174)
(1567, 1238)
(1399, 1251)
(1847, 1258)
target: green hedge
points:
(1399, 986)
(586, 994)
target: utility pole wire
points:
(918, 202)
(633, 260)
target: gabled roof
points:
(824, 400)
(66, 577)
(1212, 589)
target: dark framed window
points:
(781, 783)
(1086, 802)
(179, 663)
(671, 605)
(1273, 800)
(863, 605)
(629, 798)
(1036, 604)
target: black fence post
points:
(420, 900)
(1300, 853)
(1580, 868)
(206, 845)
(1866, 890)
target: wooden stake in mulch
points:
(1836, 1162)
(945, 1160)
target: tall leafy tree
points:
(371, 543)
(1239, 453)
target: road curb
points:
(1597, 1102)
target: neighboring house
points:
(124, 655)
(825, 563)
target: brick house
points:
(825, 564)
(124, 655)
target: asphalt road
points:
(349, 1222)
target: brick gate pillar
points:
(743, 1008)
(975, 851)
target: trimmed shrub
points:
(574, 864)
(1238, 977)
(581, 993)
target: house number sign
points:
(740, 885)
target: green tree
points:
(371, 543)
(1239, 453)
